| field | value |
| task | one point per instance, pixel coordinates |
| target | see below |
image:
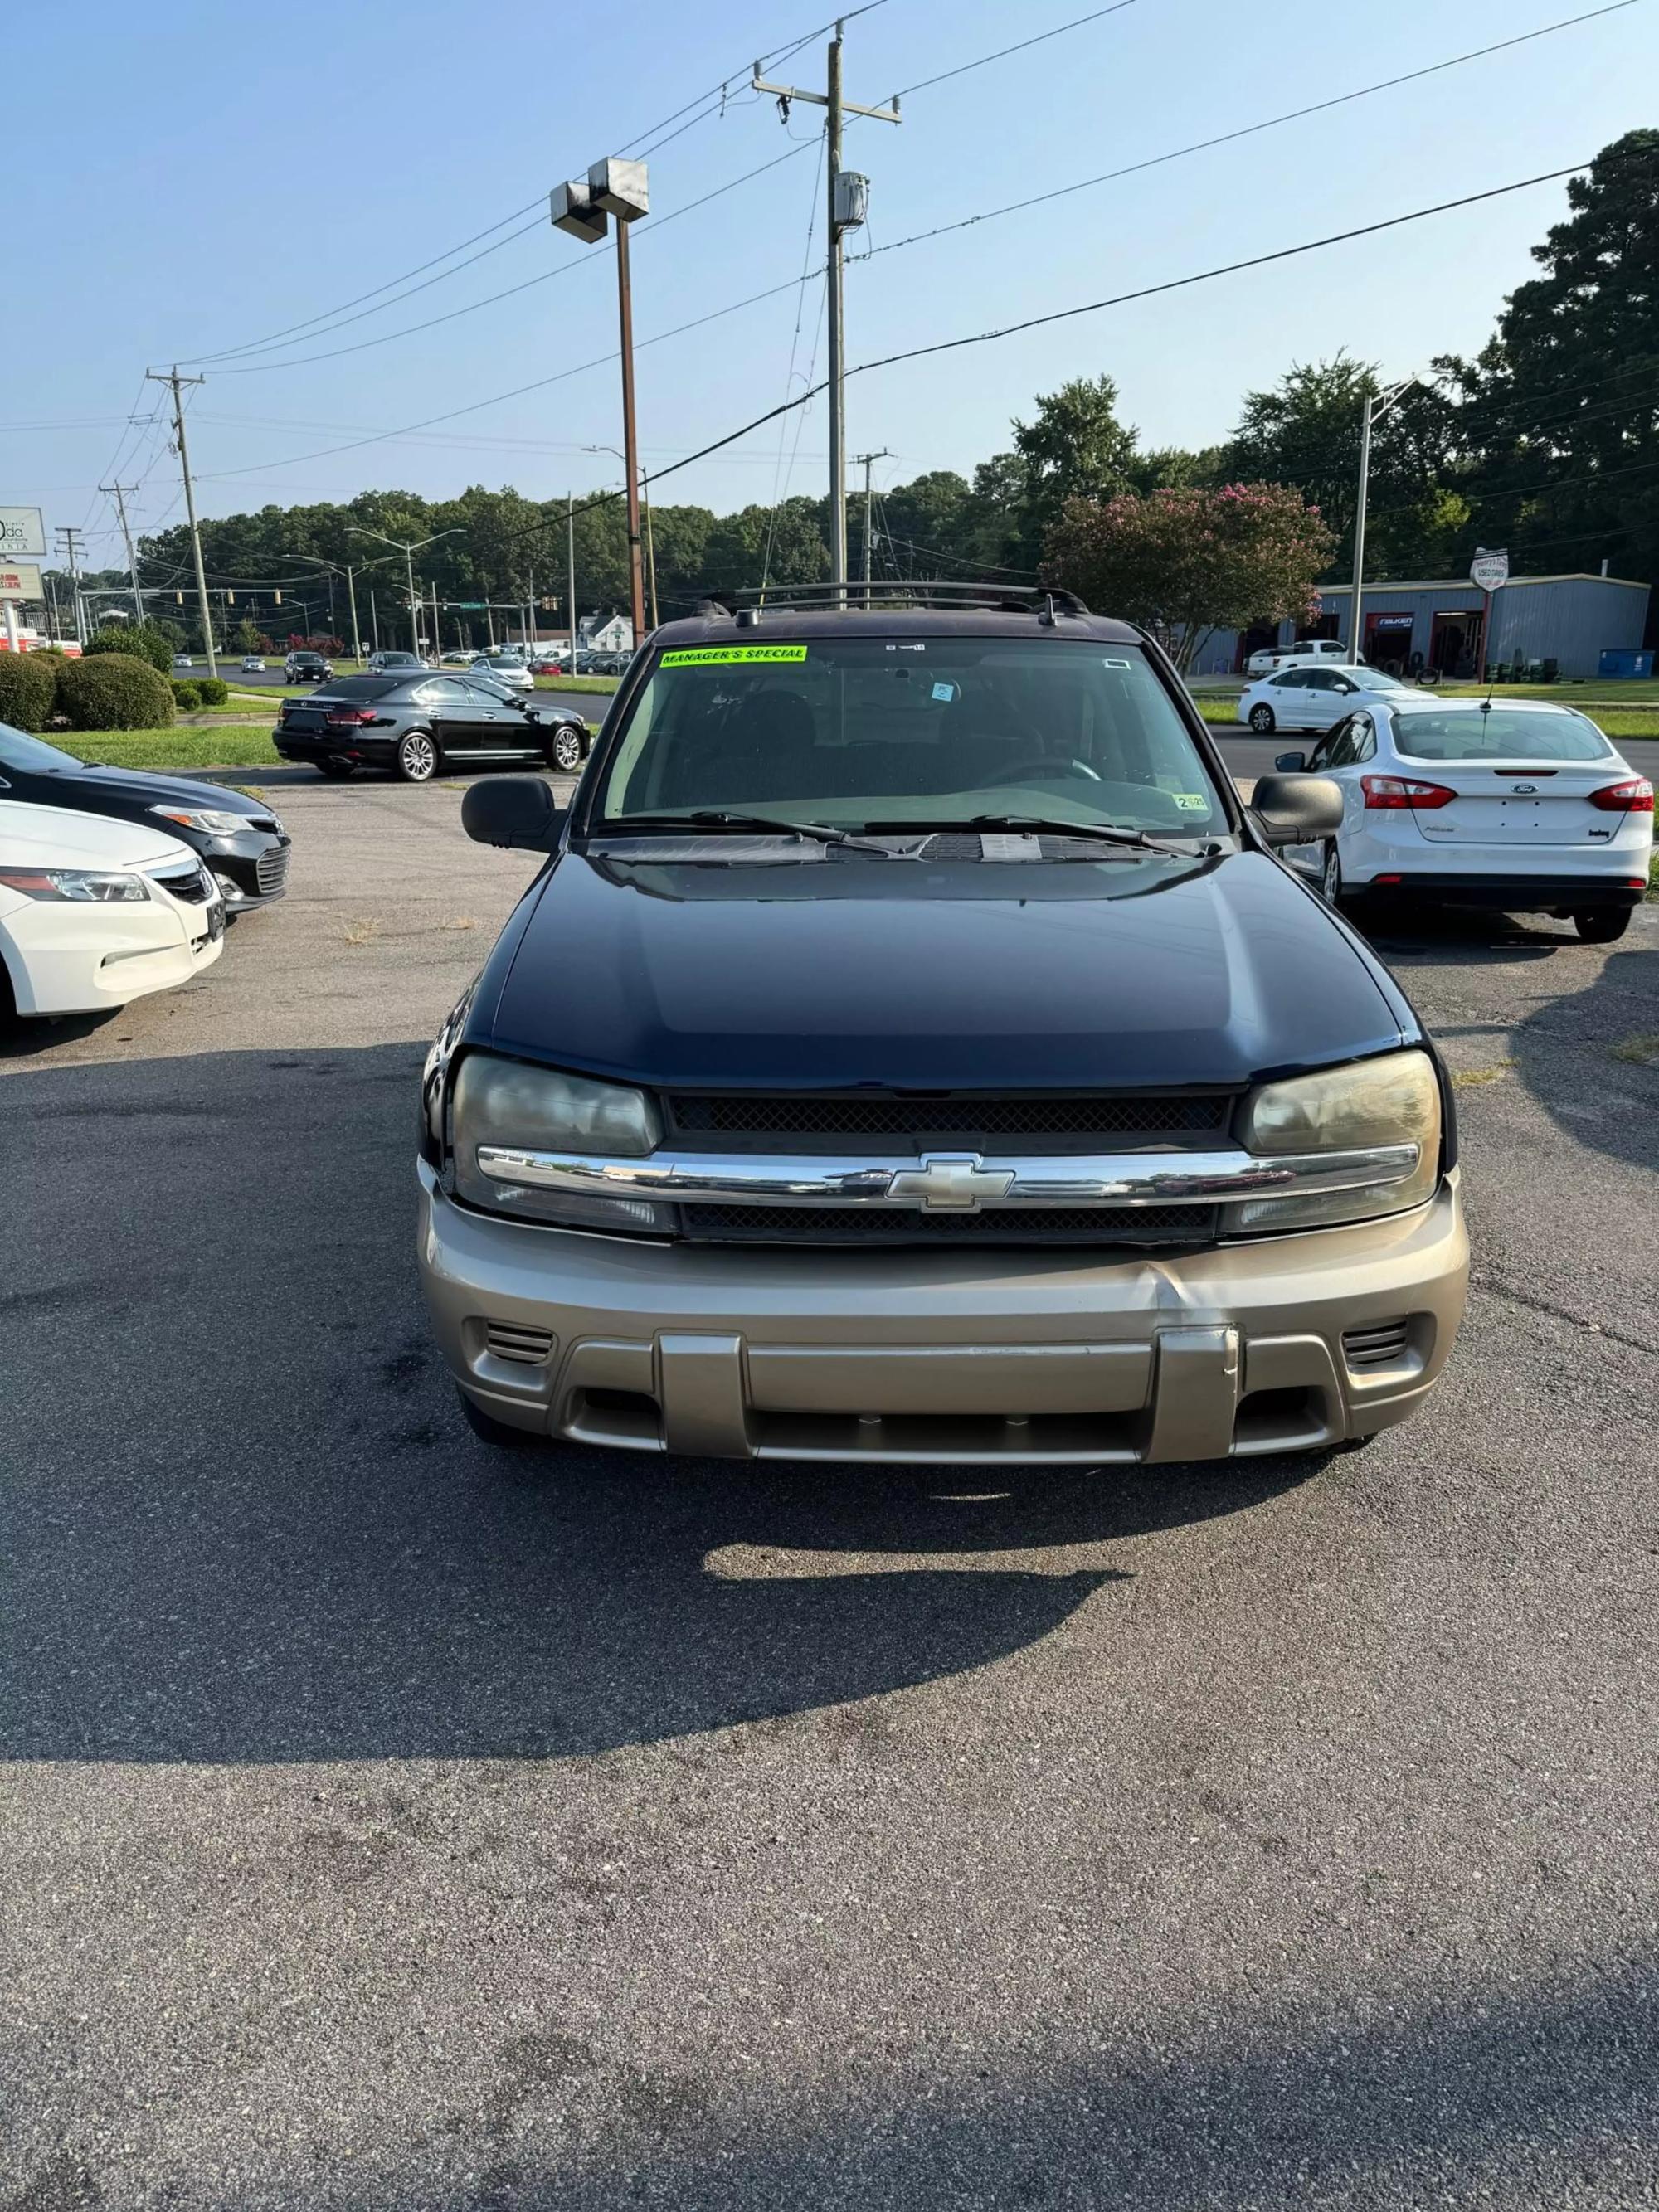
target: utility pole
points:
(117, 493)
(868, 461)
(847, 195)
(172, 377)
(570, 571)
(1375, 409)
(67, 534)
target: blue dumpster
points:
(1625, 661)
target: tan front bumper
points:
(788, 1353)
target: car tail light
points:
(1404, 793)
(1633, 796)
(342, 717)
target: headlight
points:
(1393, 1100)
(501, 1101)
(91, 886)
(211, 821)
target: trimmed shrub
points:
(214, 689)
(28, 689)
(186, 695)
(112, 692)
(137, 642)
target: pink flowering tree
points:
(1185, 562)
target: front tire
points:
(1601, 925)
(417, 758)
(565, 753)
(1261, 720)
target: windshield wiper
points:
(1042, 825)
(719, 818)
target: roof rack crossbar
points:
(1020, 597)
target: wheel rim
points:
(1261, 718)
(566, 750)
(1332, 875)
(420, 758)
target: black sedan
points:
(244, 845)
(416, 725)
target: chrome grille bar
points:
(949, 1181)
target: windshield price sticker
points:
(706, 656)
(1191, 802)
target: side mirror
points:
(1290, 764)
(1293, 809)
(516, 810)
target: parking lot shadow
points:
(243, 1520)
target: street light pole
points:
(570, 571)
(409, 551)
(582, 208)
(1374, 408)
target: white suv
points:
(1306, 653)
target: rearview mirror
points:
(1294, 809)
(515, 810)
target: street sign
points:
(23, 534)
(465, 606)
(1489, 570)
(19, 580)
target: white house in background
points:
(606, 633)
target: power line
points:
(1227, 137)
(1002, 52)
(543, 277)
(533, 206)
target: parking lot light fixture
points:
(582, 208)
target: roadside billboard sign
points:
(20, 579)
(23, 534)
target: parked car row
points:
(113, 883)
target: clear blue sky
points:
(197, 177)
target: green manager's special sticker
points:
(1192, 802)
(706, 656)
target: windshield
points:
(20, 752)
(937, 732)
(1498, 733)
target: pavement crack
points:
(1493, 1286)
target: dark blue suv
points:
(913, 1050)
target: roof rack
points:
(853, 598)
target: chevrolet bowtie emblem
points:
(957, 1181)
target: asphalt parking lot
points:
(383, 1825)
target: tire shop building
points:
(1570, 621)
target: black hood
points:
(833, 973)
(140, 788)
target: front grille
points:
(524, 1345)
(1380, 1344)
(271, 871)
(960, 1122)
(190, 883)
(1004, 1225)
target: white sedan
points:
(1522, 807)
(96, 911)
(1305, 698)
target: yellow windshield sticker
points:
(1192, 802)
(705, 656)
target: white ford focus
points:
(1522, 806)
(96, 911)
